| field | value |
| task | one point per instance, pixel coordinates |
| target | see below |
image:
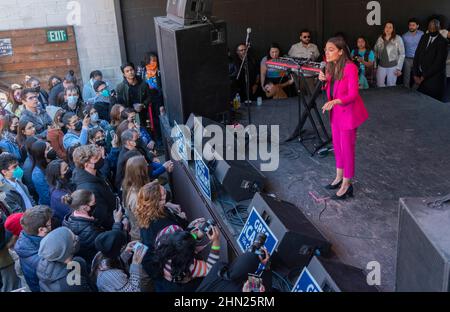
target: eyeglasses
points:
(306, 37)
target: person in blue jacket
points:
(41, 154)
(36, 224)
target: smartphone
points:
(139, 245)
(119, 205)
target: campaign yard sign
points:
(202, 175)
(306, 283)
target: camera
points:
(207, 226)
(257, 244)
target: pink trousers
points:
(344, 142)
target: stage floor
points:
(402, 151)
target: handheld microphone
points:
(249, 31)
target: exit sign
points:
(59, 35)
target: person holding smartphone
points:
(236, 277)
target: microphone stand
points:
(244, 65)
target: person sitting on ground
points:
(77, 131)
(16, 194)
(279, 78)
(82, 221)
(56, 253)
(36, 224)
(109, 267)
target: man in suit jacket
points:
(430, 62)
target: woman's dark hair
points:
(121, 129)
(20, 138)
(95, 73)
(12, 98)
(38, 154)
(115, 115)
(367, 46)
(179, 248)
(394, 33)
(28, 143)
(50, 85)
(273, 45)
(53, 173)
(127, 64)
(77, 199)
(336, 70)
(93, 132)
(8, 121)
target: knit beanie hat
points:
(58, 245)
(110, 243)
(12, 223)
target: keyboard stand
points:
(323, 139)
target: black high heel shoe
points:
(334, 187)
(349, 193)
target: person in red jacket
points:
(347, 112)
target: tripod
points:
(309, 106)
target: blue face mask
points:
(18, 173)
(94, 117)
(105, 93)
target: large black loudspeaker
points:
(298, 237)
(334, 276)
(423, 247)
(194, 68)
(188, 12)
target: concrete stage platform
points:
(402, 151)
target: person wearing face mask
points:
(89, 91)
(34, 83)
(58, 176)
(72, 102)
(81, 221)
(17, 197)
(77, 131)
(36, 224)
(89, 160)
(102, 100)
(55, 134)
(41, 154)
(33, 113)
(96, 121)
(430, 62)
(56, 251)
(14, 105)
(7, 137)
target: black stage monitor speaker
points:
(194, 68)
(298, 237)
(334, 276)
(423, 246)
(188, 12)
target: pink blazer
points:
(351, 113)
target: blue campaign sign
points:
(306, 283)
(254, 225)
(180, 142)
(202, 175)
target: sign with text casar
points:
(306, 283)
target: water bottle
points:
(237, 102)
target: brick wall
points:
(97, 36)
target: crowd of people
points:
(83, 198)
(418, 57)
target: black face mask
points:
(101, 143)
(68, 175)
(51, 155)
(434, 34)
(99, 164)
(78, 126)
(14, 131)
(92, 210)
(38, 89)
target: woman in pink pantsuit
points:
(347, 113)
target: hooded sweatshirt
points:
(27, 247)
(52, 271)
